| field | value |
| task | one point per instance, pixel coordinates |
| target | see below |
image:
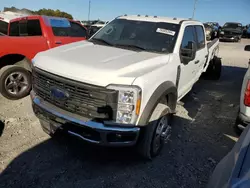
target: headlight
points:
(222, 32)
(129, 103)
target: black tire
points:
(237, 130)
(214, 69)
(146, 146)
(213, 36)
(17, 78)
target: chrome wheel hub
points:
(16, 83)
(162, 133)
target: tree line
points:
(43, 11)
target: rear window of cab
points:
(62, 27)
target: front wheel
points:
(15, 82)
(154, 136)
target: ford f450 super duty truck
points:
(120, 87)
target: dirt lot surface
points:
(202, 135)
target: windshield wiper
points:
(101, 40)
(130, 46)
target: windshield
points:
(149, 36)
(233, 25)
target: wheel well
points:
(10, 59)
(167, 105)
(171, 99)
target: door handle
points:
(58, 42)
(196, 62)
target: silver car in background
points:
(243, 118)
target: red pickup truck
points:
(26, 37)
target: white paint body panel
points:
(104, 65)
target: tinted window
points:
(64, 28)
(30, 28)
(143, 35)
(188, 37)
(26, 28)
(14, 29)
(23, 28)
(77, 30)
(3, 27)
(34, 28)
(200, 37)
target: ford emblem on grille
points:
(59, 93)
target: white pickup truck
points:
(121, 87)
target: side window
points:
(188, 37)
(30, 28)
(200, 37)
(77, 30)
(14, 28)
(3, 27)
(23, 28)
(34, 28)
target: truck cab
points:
(5, 18)
(121, 87)
(26, 37)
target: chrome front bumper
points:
(53, 118)
(228, 38)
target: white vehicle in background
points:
(5, 18)
(243, 118)
(96, 27)
(121, 87)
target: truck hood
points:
(99, 64)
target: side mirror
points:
(188, 52)
(247, 48)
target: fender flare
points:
(166, 89)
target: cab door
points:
(66, 31)
(202, 52)
(28, 36)
(187, 69)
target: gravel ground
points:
(202, 135)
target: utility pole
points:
(89, 10)
(195, 2)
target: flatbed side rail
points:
(210, 44)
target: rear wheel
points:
(214, 69)
(155, 134)
(236, 128)
(15, 82)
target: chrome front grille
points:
(93, 102)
